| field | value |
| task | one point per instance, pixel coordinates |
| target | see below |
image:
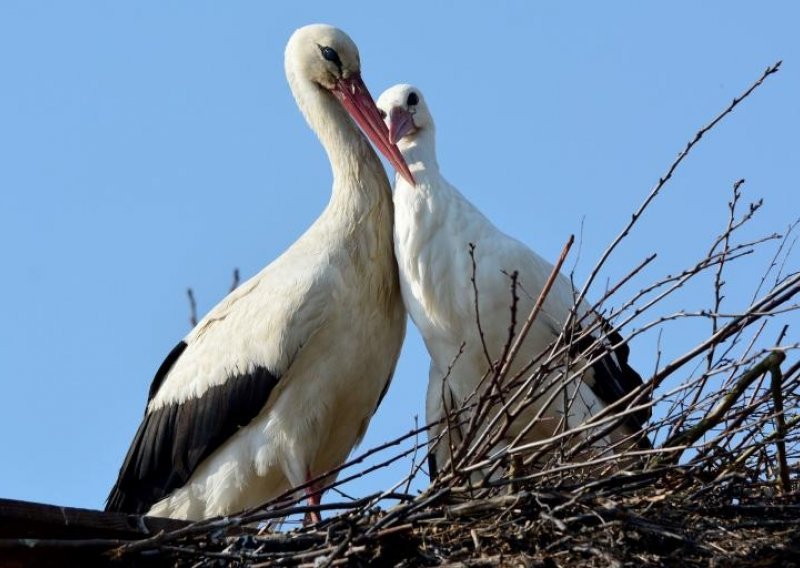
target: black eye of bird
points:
(382, 113)
(330, 55)
(412, 99)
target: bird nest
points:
(723, 495)
(716, 482)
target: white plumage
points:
(279, 381)
(434, 228)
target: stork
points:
(435, 226)
(278, 383)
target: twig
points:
(780, 426)
(192, 307)
(668, 175)
(691, 435)
(477, 305)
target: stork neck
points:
(420, 155)
(357, 171)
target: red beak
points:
(356, 100)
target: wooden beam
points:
(22, 519)
(35, 534)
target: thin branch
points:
(192, 307)
(718, 414)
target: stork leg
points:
(314, 495)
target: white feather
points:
(435, 225)
(326, 318)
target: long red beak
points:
(356, 100)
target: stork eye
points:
(412, 99)
(382, 113)
(329, 54)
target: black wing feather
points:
(164, 368)
(174, 439)
(614, 378)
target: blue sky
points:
(147, 147)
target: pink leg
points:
(314, 495)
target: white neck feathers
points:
(357, 171)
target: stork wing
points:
(173, 439)
(612, 377)
(216, 382)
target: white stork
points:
(434, 228)
(279, 381)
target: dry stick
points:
(193, 303)
(734, 341)
(595, 308)
(774, 298)
(748, 453)
(707, 458)
(523, 333)
(763, 306)
(512, 328)
(497, 388)
(448, 424)
(664, 179)
(258, 513)
(480, 408)
(603, 413)
(545, 445)
(289, 506)
(575, 374)
(561, 385)
(738, 430)
(788, 251)
(554, 355)
(477, 448)
(192, 307)
(724, 239)
(354, 461)
(561, 436)
(734, 429)
(775, 257)
(679, 281)
(477, 307)
(527, 384)
(207, 526)
(780, 427)
(494, 387)
(338, 551)
(735, 420)
(689, 436)
(722, 334)
(414, 467)
(482, 405)
(405, 509)
(744, 359)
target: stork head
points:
(406, 113)
(326, 57)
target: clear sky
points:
(148, 146)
